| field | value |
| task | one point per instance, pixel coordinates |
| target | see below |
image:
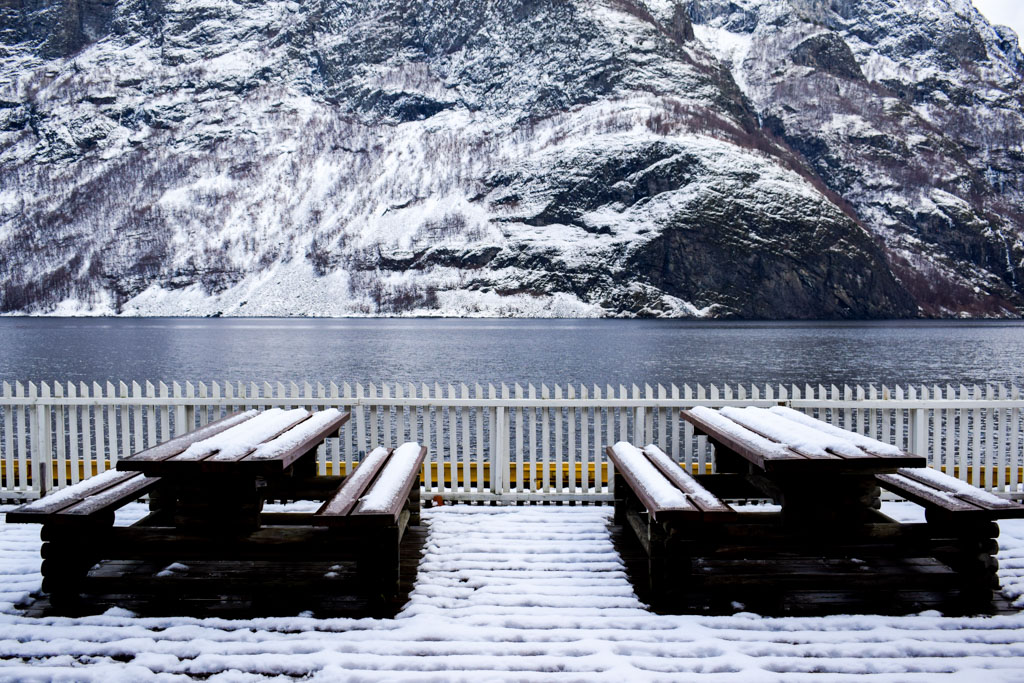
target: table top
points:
(782, 440)
(250, 442)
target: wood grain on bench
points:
(712, 507)
(687, 507)
(932, 491)
(352, 488)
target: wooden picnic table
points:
(830, 549)
(217, 478)
(818, 477)
(207, 490)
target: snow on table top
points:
(865, 442)
(740, 433)
(294, 437)
(647, 476)
(510, 594)
(233, 443)
(384, 493)
(796, 435)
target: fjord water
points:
(538, 351)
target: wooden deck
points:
(241, 589)
(809, 588)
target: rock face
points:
(743, 158)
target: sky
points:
(1006, 12)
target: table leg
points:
(842, 501)
(216, 504)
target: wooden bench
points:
(960, 518)
(663, 506)
(946, 498)
(378, 501)
(94, 501)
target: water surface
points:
(551, 351)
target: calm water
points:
(551, 351)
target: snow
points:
(742, 434)
(649, 478)
(960, 488)
(70, 493)
(233, 443)
(386, 490)
(865, 442)
(509, 594)
(925, 491)
(293, 437)
(696, 492)
(366, 468)
(796, 435)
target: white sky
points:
(1006, 12)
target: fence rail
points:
(507, 443)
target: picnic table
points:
(208, 541)
(828, 547)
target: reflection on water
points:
(556, 351)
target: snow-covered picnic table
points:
(207, 491)
(828, 548)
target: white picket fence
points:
(507, 443)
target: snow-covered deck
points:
(508, 593)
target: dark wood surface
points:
(90, 499)
(352, 489)
(713, 509)
(239, 588)
(164, 460)
(796, 461)
(947, 502)
(686, 511)
(209, 514)
(829, 550)
(411, 477)
(178, 444)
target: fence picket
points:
(559, 488)
(1004, 439)
(399, 418)
(1015, 446)
(598, 450)
(991, 440)
(74, 454)
(531, 433)
(88, 453)
(60, 437)
(478, 415)
(464, 420)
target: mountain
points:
(700, 158)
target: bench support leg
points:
(379, 563)
(68, 555)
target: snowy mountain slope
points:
(912, 111)
(531, 157)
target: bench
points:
(664, 507)
(946, 498)
(94, 501)
(378, 502)
(960, 517)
